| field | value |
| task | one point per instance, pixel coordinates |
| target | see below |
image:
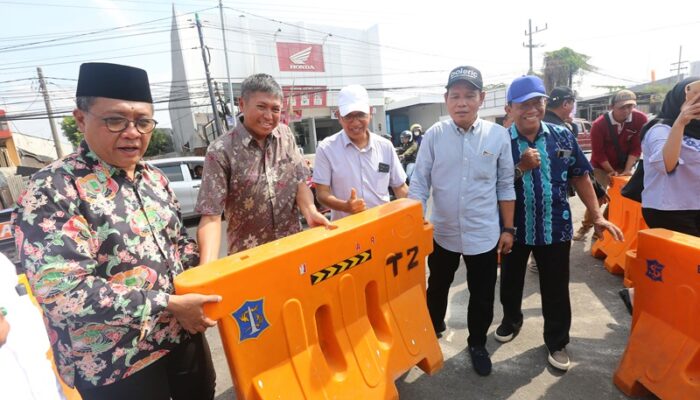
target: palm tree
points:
(561, 65)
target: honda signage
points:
(302, 57)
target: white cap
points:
(353, 98)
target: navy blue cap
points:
(467, 74)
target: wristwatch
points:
(518, 173)
(512, 231)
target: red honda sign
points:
(304, 96)
(300, 57)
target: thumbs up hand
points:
(354, 205)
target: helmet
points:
(407, 134)
(416, 126)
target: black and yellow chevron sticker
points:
(338, 268)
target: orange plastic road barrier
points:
(606, 245)
(69, 392)
(632, 240)
(630, 224)
(663, 350)
(326, 313)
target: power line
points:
(334, 35)
(531, 46)
(138, 24)
(17, 3)
(82, 41)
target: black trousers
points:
(186, 373)
(553, 264)
(481, 280)
(684, 221)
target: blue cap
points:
(524, 88)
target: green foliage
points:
(561, 65)
(658, 91)
(70, 130)
(161, 143)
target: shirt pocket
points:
(561, 161)
(383, 177)
(486, 165)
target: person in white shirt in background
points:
(26, 370)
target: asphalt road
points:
(520, 370)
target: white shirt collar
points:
(614, 122)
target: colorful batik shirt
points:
(542, 212)
(101, 252)
(255, 187)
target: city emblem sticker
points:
(655, 270)
(251, 320)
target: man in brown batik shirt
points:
(256, 176)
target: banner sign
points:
(302, 57)
(304, 96)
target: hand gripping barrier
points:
(663, 350)
(606, 246)
(627, 215)
(326, 313)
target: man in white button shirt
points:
(467, 163)
(354, 168)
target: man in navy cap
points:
(543, 217)
(465, 162)
(101, 239)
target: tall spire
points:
(181, 113)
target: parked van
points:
(584, 133)
(185, 176)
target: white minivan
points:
(185, 176)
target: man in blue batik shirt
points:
(547, 157)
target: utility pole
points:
(228, 73)
(222, 103)
(529, 34)
(49, 111)
(217, 123)
(679, 65)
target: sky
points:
(425, 40)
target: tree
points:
(160, 143)
(561, 65)
(70, 130)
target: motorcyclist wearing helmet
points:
(407, 152)
(417, 131)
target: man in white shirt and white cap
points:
(354, 168)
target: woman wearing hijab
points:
(671, 148)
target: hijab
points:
(672, 108)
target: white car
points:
(185, 176)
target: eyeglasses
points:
(145, 126)
(352, 116)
